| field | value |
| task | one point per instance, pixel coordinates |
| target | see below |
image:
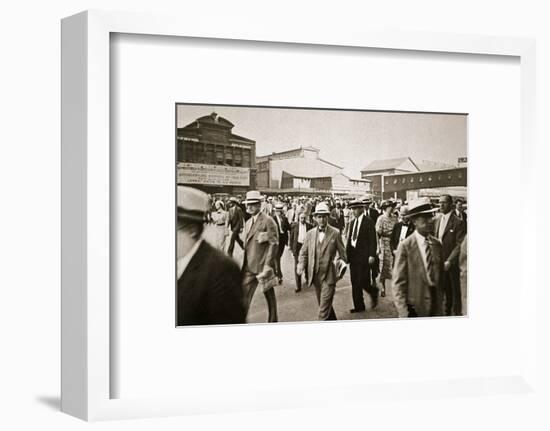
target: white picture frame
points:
(86, 341)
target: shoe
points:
(280, 280)
(383, 293)
(355, 310)
(298, 289)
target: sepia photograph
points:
(288, 214)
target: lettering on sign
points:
(197, 173)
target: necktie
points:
(354, 235)
(429, 259)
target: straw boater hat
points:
(356, 203)
(253, 197)
(192, 204)
(321, 209)
(419, 207)
(279, 206)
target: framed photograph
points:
(242, 207)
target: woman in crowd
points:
(219, 220)
(384, 228)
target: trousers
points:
(325, 294)
(250, 283)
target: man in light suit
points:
(298, 232)
(416, 277)
(260, 252)
(450, 231)
(317, 255)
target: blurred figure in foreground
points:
(208, 282)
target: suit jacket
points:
(410, 280)
(373, 214)
(337, 216)
(366, 241)
(452, 238)
(324, 259)
(285, 227)
(294, 232)
(261, 244)
(236, 218)
(396, 234)
(209, 290)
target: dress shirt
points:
(321, 234)
(421, 241)
(280, 222)
(403, 234)
(184, 261)
(358, 222)
(301, 232)
(443, 224)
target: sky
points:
(351, 139)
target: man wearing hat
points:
(402, 229)
(236, 223)
(208, 282)
(361, 252)
(282, 228)
(318, 255)
(417, 290)
(260, 254)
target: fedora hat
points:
(321, 209)
(420, 206)
(253, 197)
(356, 203)
(341, 268)
(192, 204)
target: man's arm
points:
(400, 283)
(460, 232)
(340, 247)
(371, 237)
(273, 240)
(302, 258)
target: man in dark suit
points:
(208, 282)
(461, 213)
(337, 217)
(282, 228)
(361, 253)
(260, 254)
(401, 230)
(416, 278)
(318, 256)
(298, 232)
(450, 231)
(236, 224)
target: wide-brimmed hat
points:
(386, 204)
(279, 206)
(253, 197)
(321, 209)
(366, 200)
(192, 204)
(356, 203)
(420, 206)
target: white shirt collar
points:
(184, 261)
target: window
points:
(229, 156)
(219, 155)
(246, 158)
(238, 161)
(210, 155)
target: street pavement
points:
(302, 306)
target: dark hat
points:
(387, 204)
(192, 204)
(420, 206)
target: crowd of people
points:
(414, 251)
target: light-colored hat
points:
(321, 209)
(420, 206)
(356, 203)
(253, 197)
(279, 206)
(404, 210)
(192, 203)
(341, 267)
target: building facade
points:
(214, 159)
(302, 172)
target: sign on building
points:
(196, 173)
(463, 160)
